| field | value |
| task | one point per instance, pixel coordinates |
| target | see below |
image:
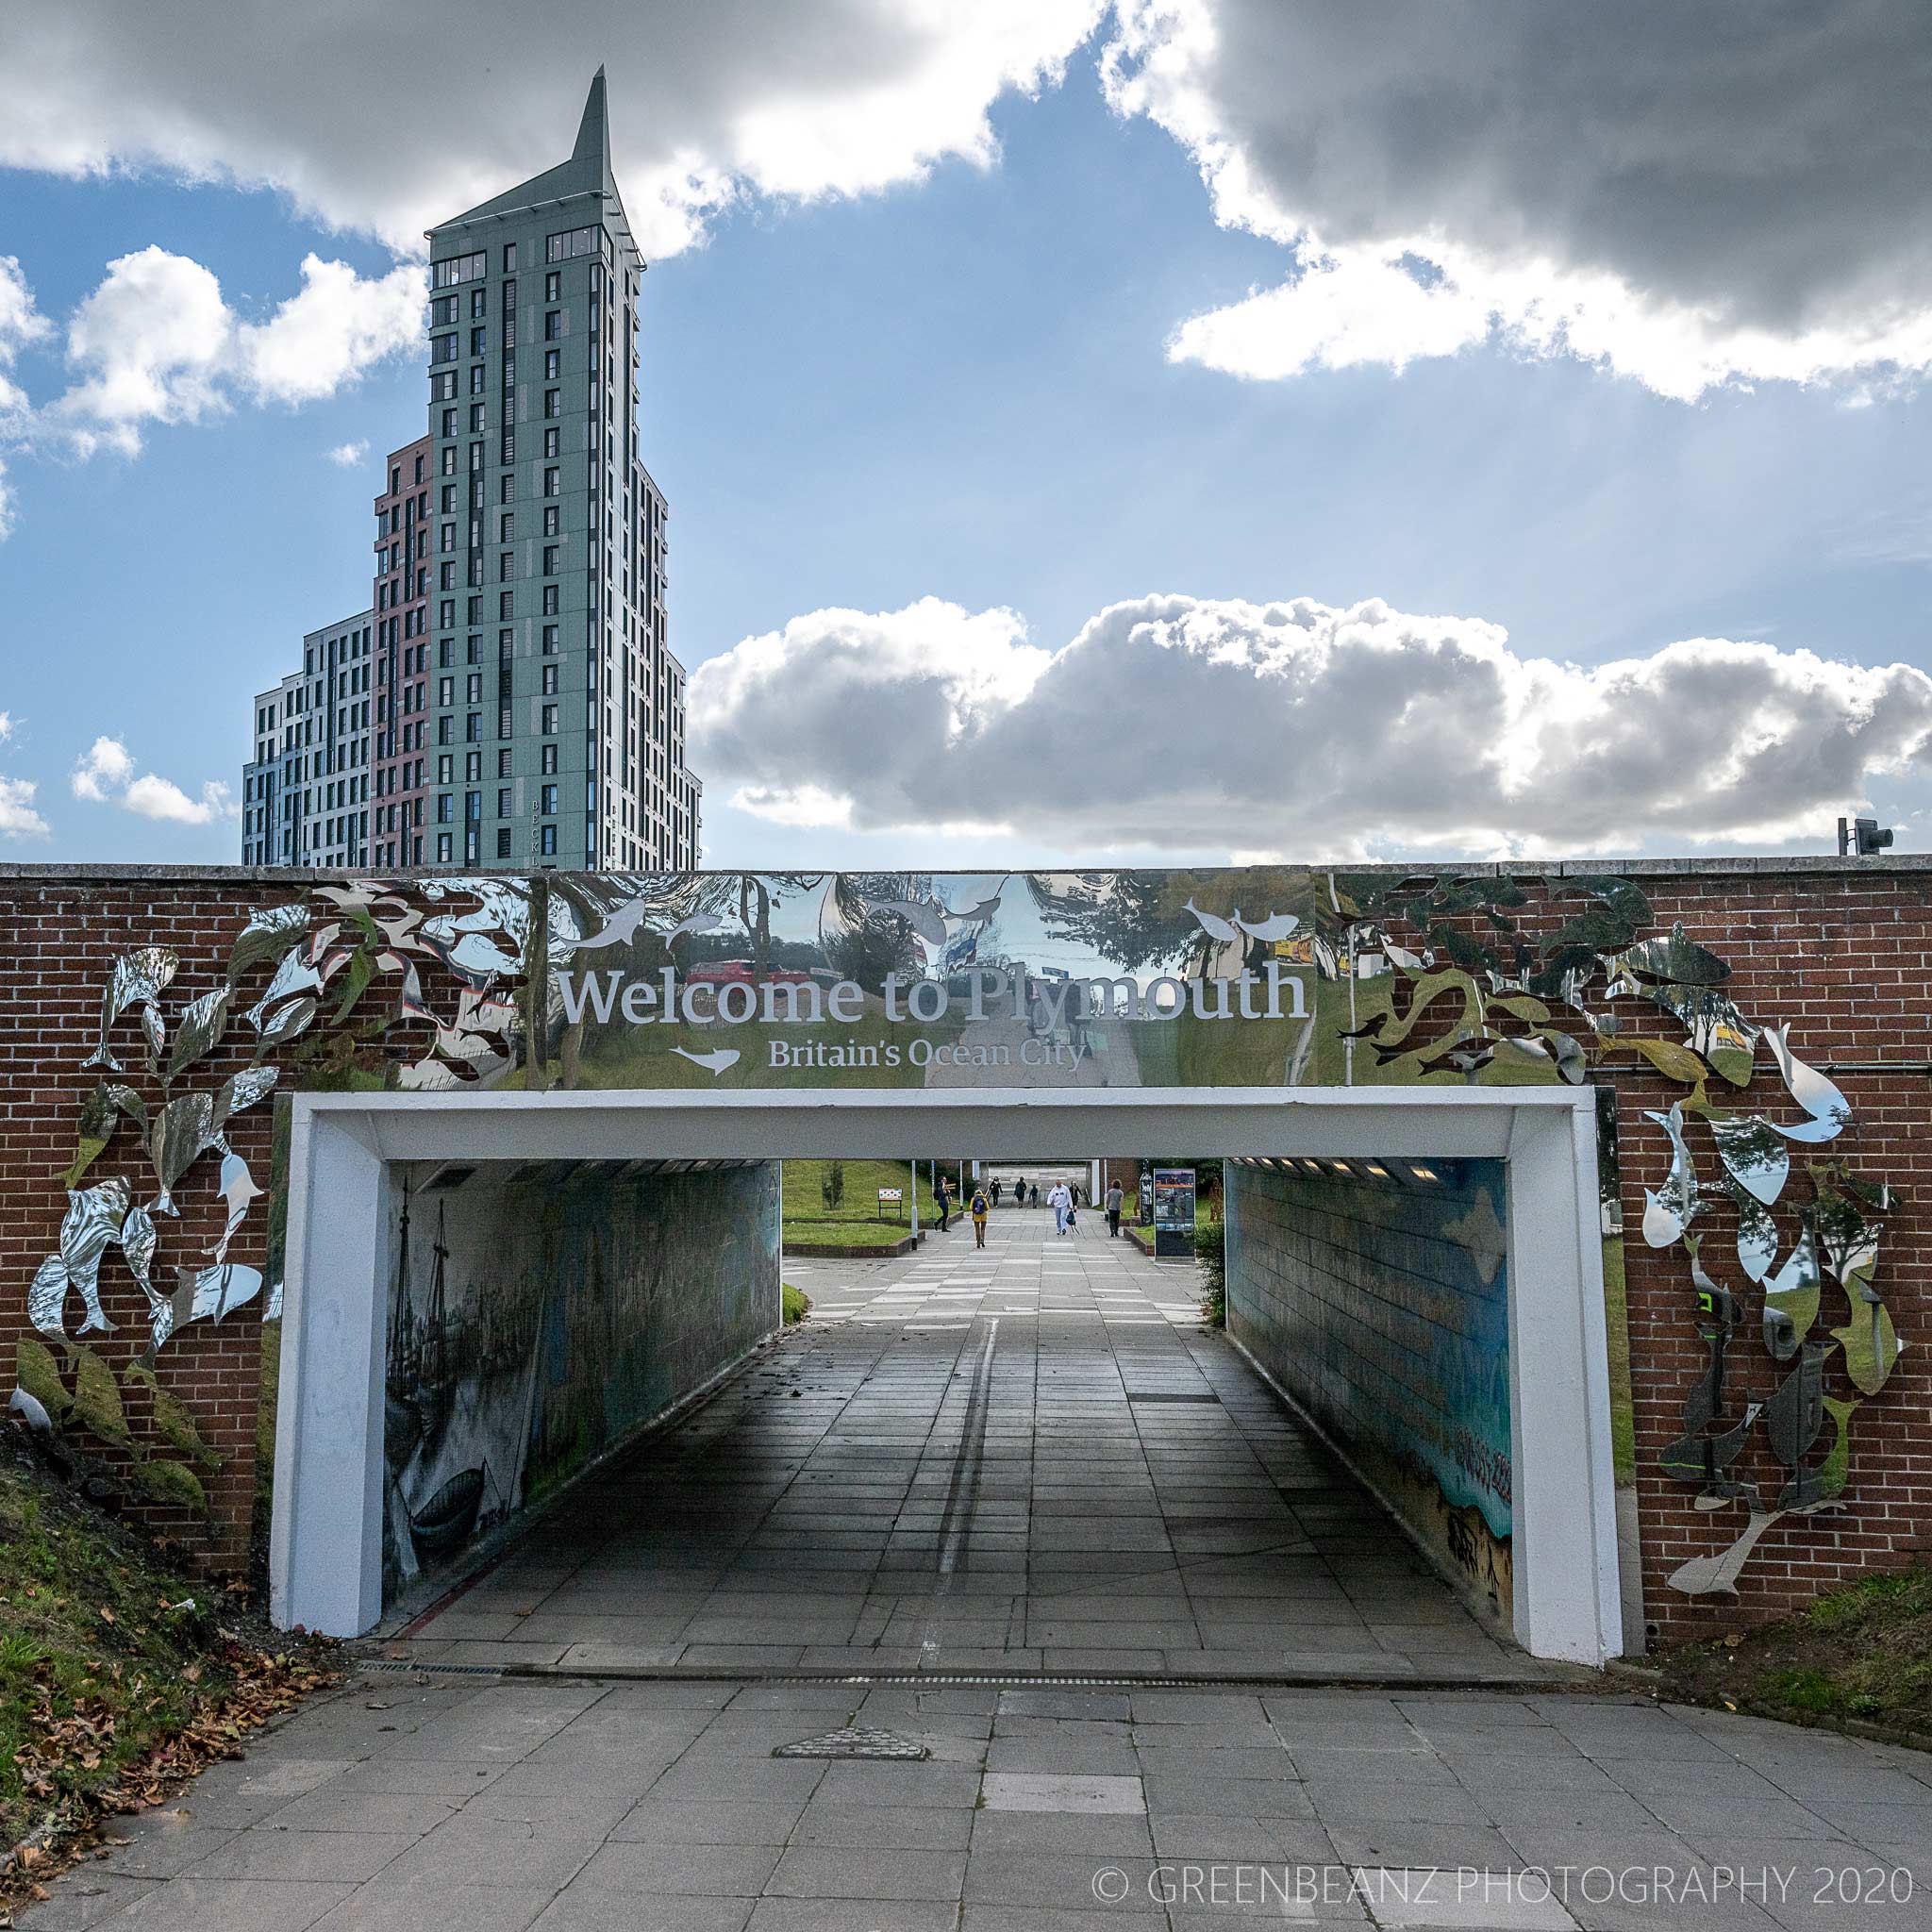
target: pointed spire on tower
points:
(586, 172)
(594, 130)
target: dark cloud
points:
(1761, 169)
(385, 116)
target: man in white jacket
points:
(1060, 1201)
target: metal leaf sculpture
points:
(202, 1022)
(268, 935)
(1475, 982)
(176, 1136)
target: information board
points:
(1173, 1210)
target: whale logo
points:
(713, 1062)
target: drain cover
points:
(856, 1740)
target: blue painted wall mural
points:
(1377, 1293)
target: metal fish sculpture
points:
(620, 929)
(137, 980)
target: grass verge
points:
(796, 1303)
(1863, 1653)
(118, 1676)
(853, 1222)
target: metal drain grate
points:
(856, 1740)
(402, 1664)
(1160, 1395)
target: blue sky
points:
(958, 388)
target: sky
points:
(1093, 434)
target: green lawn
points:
(855, 1223)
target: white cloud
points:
(346, 455)
(1648, 187)
(18, 818)
(150, 797)
(105, 767)
(152, 341)
(156, 342)
(794, 804)
(326, 336)
(1340, 313)
(1296, 726)
(106, 774)
(21, 325)
(840, 97)
(901, 689)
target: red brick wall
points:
(60, 941)
(1127, 1173)
(1839, 951)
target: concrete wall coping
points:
(85, 872)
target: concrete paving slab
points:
(1011, 1790)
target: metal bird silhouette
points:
(1212, 925)
(713, 1062)
(618, 929)
(1277, 925)
(926, 920)
(975, 915)
(698, 922)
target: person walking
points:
(943, 1200)
(996, 1192)
(1019, 1191)
(1061, 1202)
(979, 1206)
(1114, 1197)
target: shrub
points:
(832, 1188)
(1210, 1257)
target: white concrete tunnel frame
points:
(325, 1538)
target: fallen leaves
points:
(65, 1761)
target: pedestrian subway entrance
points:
(1034, 1455)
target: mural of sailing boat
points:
(435, 1378)
(419, 1399)
(443, 1524)
(402, 1425)
(542, 1325)
(419, 1386)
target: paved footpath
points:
(1030, 1456)
(490, 1806)
(1096, 1485)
